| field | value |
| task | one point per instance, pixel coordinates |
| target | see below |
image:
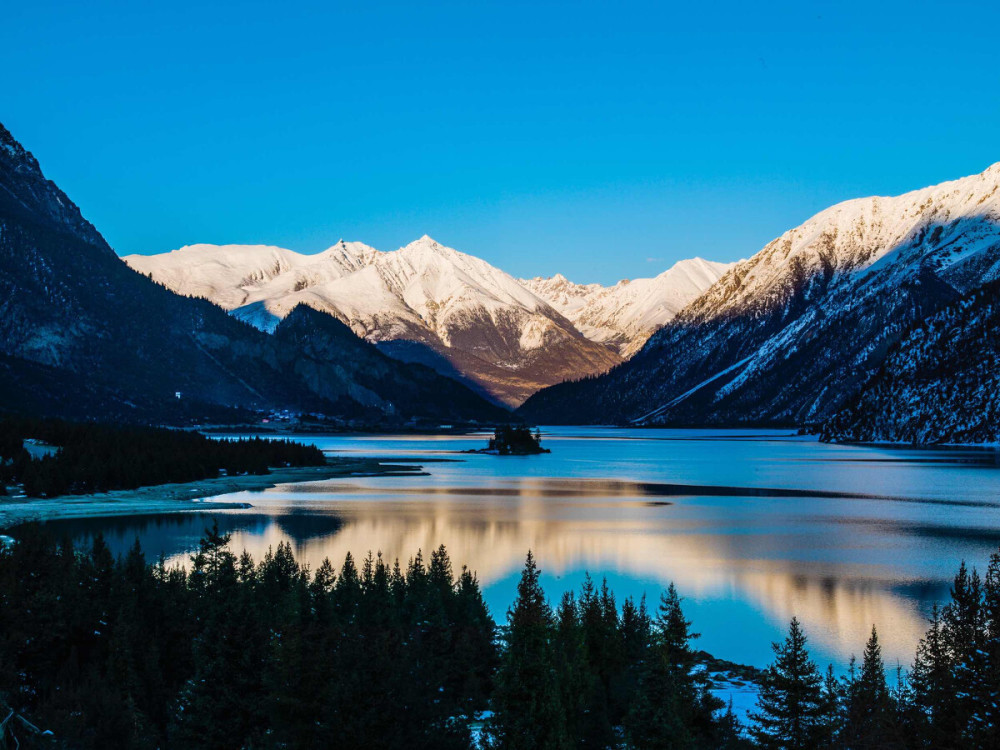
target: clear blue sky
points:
(602, 140)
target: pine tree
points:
(931, 681)
(527, 708)
(963, 633)
(673, 707)
(791, 708)
(636, 636)
(986, 724)
(870, 711)
(832, 701)
(575, 678)
(731, 735)
(599, 629)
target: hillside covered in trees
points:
(230, 652)
(87, 457)
(939, 384)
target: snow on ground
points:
(743, 694)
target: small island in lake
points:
(514, 440)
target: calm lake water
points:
(874, 536)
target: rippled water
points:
(847, 536)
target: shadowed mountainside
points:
(939, 384)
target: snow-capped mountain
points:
(792, 333)
(83, 335)
(627, 314)
(237, 275)
(423, 302)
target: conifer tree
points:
(575, 677)
(599, 629)
(931, 681)
(834, 705)
(731, 735)
(791, 706)
(527, 708)
(963, 633)
(870, 715)
(673, 707)
(475, 649)
(636, 636)
(986, 725)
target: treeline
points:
(235, 653)
(99, 457)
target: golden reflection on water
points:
(728, 555)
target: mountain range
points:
(432, 304)
(875, 320)
(83, 335)
(793, 334)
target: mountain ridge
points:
(789, 334)
(939, 384)
(626, 314)
(430, 303)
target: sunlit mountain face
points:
(752, 527)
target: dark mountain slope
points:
(367, 375)
(940, 384)
(81, 331)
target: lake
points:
(753, 526)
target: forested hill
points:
(83, 335)
(939, 384)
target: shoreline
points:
(180, 496)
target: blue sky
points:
(600, 140)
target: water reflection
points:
(752, 528)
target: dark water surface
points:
(752, 525)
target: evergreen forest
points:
(231, 652)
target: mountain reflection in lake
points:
(752, 526)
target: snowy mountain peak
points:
(625, 315)
(428, 243)
(945, 226)
(442, 302)
(350, 255)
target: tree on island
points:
(516, 440)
